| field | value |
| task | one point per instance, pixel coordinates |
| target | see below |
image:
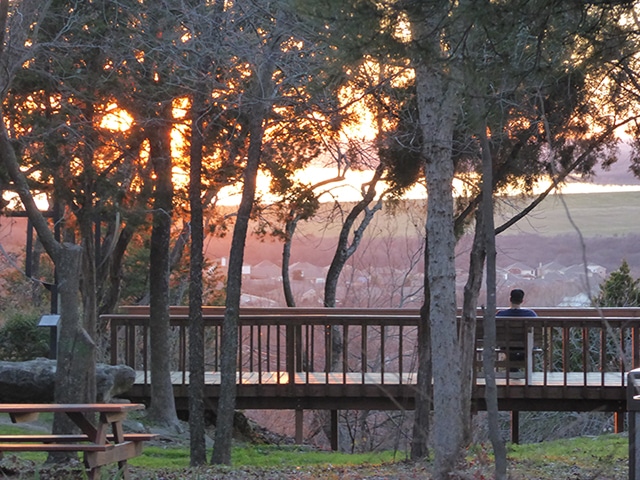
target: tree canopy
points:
(619, 289)
(109, 107)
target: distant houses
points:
(551, 271)
(553, 282)
(521, 270)
(266, 270)
(579, 300)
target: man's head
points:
(517, 296)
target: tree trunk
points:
(489, 317)
(76, 350)
(436, 92)
(424, 393)
(229, 342)
(290, 228)
(344, 251)
(447, 381)
(111, 283)
(196, 323)
(162, 409)
(468, 323)
(89, 289)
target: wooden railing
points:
(277, 347)
(572, 347)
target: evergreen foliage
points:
(21, 339)
(620, 289)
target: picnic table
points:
(102, 440)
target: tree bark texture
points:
(196, 324)
(437, 98)
(162, 409)
(76, 350)
(468, 323)
(89, 288)
(424, 392)
(229, 342)
(290, 228)
(489, 317)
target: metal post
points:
(51, 322)
(633, 407)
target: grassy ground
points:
(602, 457)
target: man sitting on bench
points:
(516, 354)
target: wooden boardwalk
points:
(573, 391)
(557, 379)
(576, 358)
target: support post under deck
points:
(299, 426)
(515, 427)
(334, 430)
(633, 407)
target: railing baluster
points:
(603, 353)
(259, 358)
(565, 353)
(383, 355)
(623, 356)
(308, 348)
(131, 345)
(290, 347)
(145, 352)
(239, 366)
(311, 348)
(114, 342)
(182, 332)
(585, 353)
(345, 349)
(267, 358)
(400, 353)
(252, 350)
(279, 370)
(635, 347)
(363, 352)
(327, 353)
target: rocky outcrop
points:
(33, 381)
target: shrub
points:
(21, 338)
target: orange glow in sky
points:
(116, 119)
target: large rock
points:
(33, 381)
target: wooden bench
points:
(99, 447)
(516, 343)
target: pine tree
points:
(619, 289)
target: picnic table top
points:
(69, 407)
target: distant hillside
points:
(608, 222)
(601, 214)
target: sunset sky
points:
(616, 179)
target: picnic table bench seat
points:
(99, 447)
(52, 438)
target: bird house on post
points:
(51, 322)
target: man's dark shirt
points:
(516, 353)
(516, 312)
